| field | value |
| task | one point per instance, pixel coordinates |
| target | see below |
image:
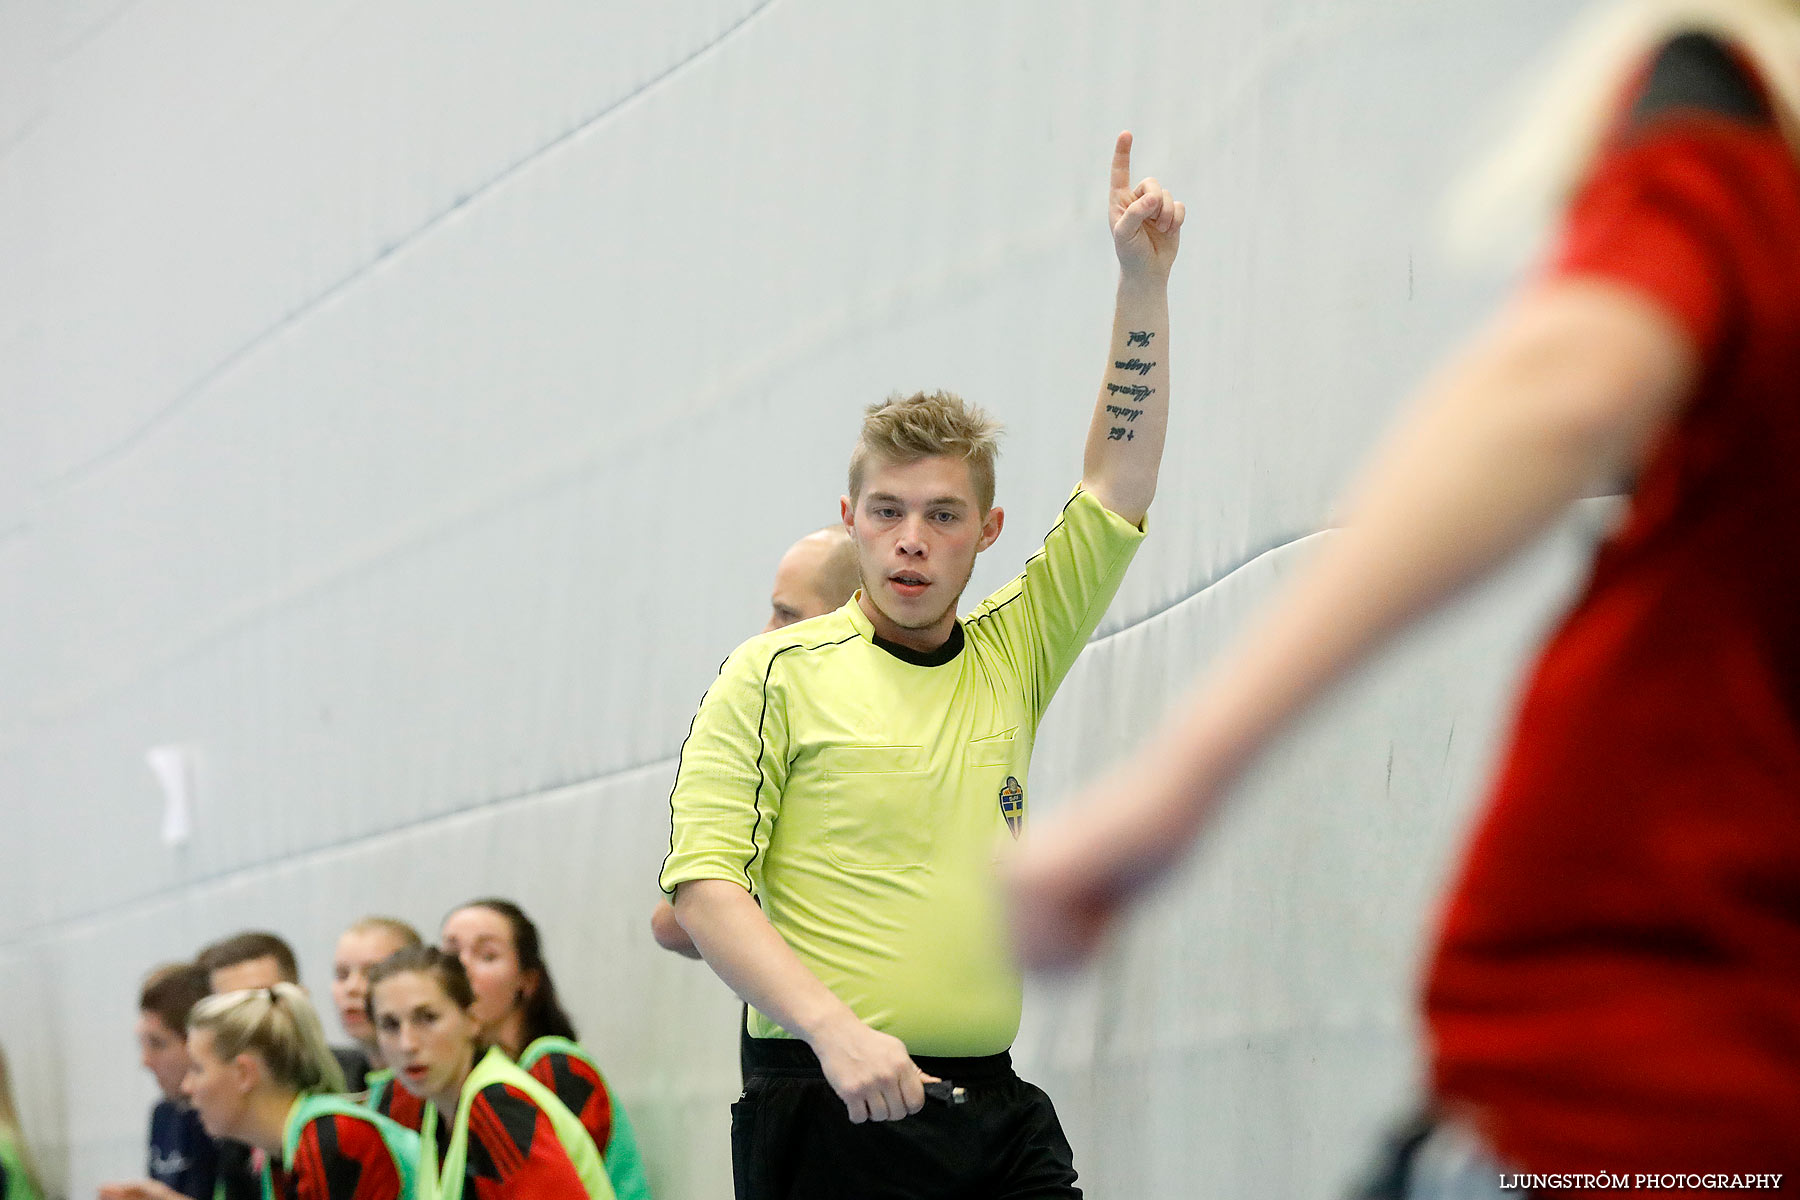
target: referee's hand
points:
(870, 1071)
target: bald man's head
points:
(816, 576)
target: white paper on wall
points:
(173, 767)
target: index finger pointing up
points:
(1121, 164)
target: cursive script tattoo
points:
(1136, 391)
(1118, 433)
(1135, 364)
(1139, 337)
(1128, 414)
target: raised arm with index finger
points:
(1125, 441)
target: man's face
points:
(261, 972)
(795, 596)
(918, 527)
(163, 1053)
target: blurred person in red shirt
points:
(1616, 984)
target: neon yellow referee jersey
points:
(860, 790)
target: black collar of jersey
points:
(925, 658)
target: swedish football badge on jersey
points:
(1012, 805)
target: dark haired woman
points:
(489, 1130)
(516, 1002)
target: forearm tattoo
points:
(1130, 394)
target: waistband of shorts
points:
(791, 1056)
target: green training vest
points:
(402, 1143)
(446, 1182)
(377, 1083)
(18, 1185)
(624, 1165)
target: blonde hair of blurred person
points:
(818, 574)
(18, 1177)
(256, 958)
(1561, 117)
(359, 948)
(254, 1052)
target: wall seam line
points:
(232, 358)
(64, 924)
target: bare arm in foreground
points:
(1569, 385)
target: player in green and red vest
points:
(490, 1131)
(262, 1073)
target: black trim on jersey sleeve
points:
(1696, 72)
(679, 755)
(926, 658)
(517, 1115)
(762, 748)
(572, 1089)
(479, 1163)
(1062, 515)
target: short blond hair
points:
(394, 927)
(905, 429)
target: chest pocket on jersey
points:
(995, 751)
(878, 811)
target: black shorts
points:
(791, 1138)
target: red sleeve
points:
(1682, 206)
(513, 1150)
(579, 1086)
(1666, 216)
(342, 1158)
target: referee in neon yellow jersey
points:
(848, 780)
